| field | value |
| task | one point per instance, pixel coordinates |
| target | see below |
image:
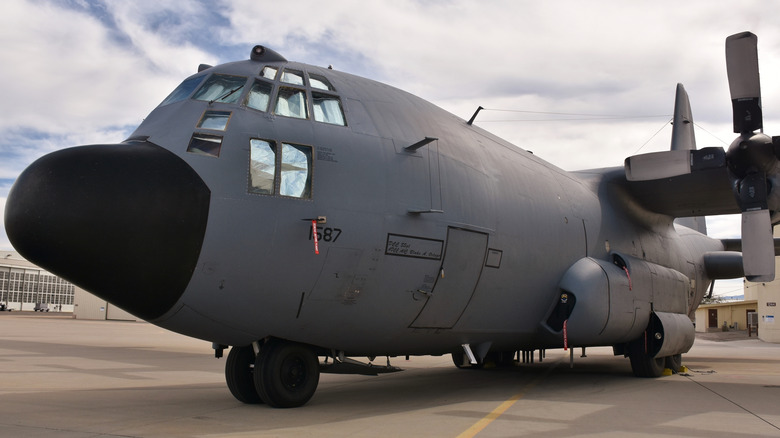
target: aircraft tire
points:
(239, 374)
(643, 365)
(674, 363)
(286, 374)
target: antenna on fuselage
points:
(471, 120)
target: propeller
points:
(750, 157)
(751, 160)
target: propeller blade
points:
(758, 247)
(744, 83)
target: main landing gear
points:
(284, 374)
(645, 365)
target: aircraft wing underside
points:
(701, 193)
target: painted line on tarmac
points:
(480, 425)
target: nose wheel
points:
(239, 374)
(284, 375)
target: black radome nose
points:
(125, 222)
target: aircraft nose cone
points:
(125, 222)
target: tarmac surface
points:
(61, 377)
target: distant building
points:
(768, 297)
(761, 298)
(24, 286)
(732, 314)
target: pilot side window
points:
(221, 88)
(291, 102)
(327, 109)
(288, 173)
(262, 166)
(259, 95)
(296, 171)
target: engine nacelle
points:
(610, 302)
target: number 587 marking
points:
(325, 234)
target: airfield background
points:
(23, 285)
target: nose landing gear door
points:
(464, 257)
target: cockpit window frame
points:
(234, 96)
(281, 93)
(271, 94)
(192, 83)
(282, 167)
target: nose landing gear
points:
(284, 375)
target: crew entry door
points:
(464, 257)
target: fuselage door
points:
(464, 257)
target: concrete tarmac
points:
(61, 377)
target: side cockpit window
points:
(284, 172)
(320, 83)
(296, 171)
(262, 166)
(221, 88)
(183, 91)
(325, 106)
(327, 109)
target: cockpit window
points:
(273, 172)
(216, 120)
(184, 90)
(296, 171)
(259, 95)
(291, 102)
(204, 144)
(327, 108)
(320, 83)
(269, 72)
(221, 88)
(262, 166)
(292, 77)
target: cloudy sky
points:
(88, 71)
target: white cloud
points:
(74, 76)
(65, 71)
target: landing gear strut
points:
(283, 375)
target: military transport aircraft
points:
(295, 212)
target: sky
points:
(581, 84)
